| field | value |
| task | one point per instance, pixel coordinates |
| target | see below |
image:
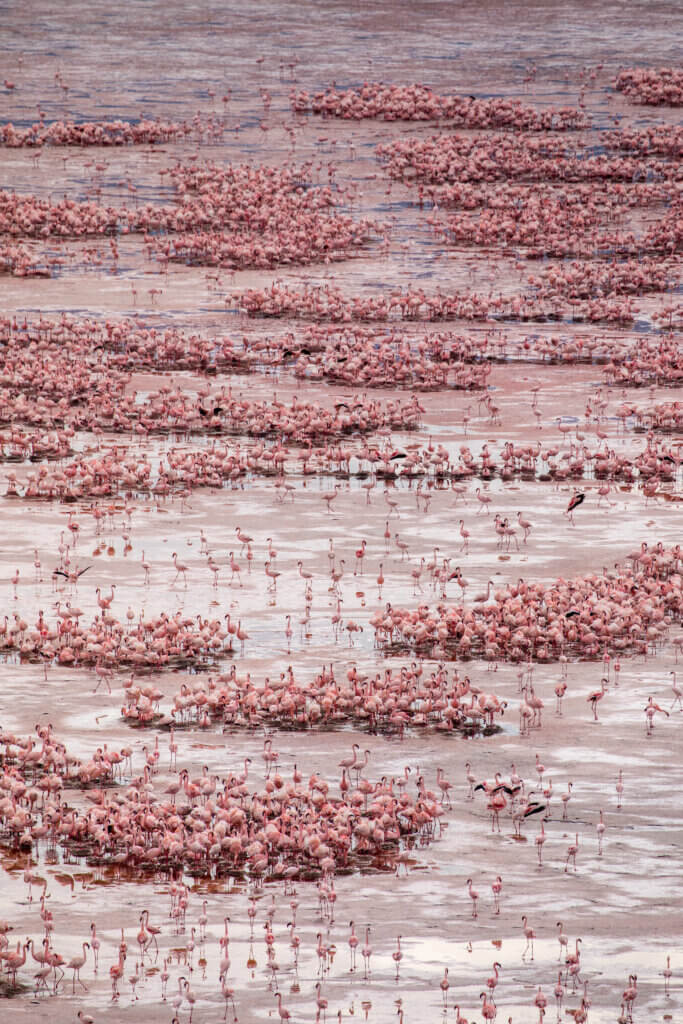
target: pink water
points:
(162, 59)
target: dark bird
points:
(522, 813)
(577, 499)
(73, 575)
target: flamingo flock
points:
(652, 86)
(622, 612)
(327, 303)
(415, 340)
(293, 831)
(394, 701)
(420, 103)
(94, 133)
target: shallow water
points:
(163, 59)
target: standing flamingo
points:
(284, 1014)
(572, 851)
(630, 993)
(596, 696)
(497, 888)
(397, 955)
(444, 985)
(75, 965)
(474, 896)
(559, 994)
(540, 839)
(488, 1008)
(116, 973)
(353, 945)
(600, 829)
(529, 935)
(366, 952)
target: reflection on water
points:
(173, 60)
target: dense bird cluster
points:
(239, 216)
(581, 279)
(41, 353)
(178, 472)
(501, 175)
(417, 102)
(298, 241)
(656, 87)
(19, 445)
(94, 133)
(664, 416)
(392, 701)
(285, 829)
(34, 393)
(17, 261)
(391, 359)
(33, 217)
(574, 461)
(480, 159)
(556, 221)
(325, 302)
(653, 140)
(155, 642)
(654, 361)
(260, 217)
(630, 610)
(114, 345)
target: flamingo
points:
(497, 887)
(116, 972)
(596, 696)
(353, 945)
(75, 964)
(474, 896)
(229, 996)
(572, 851)
(529, 935)
(180, 569)
(322, 1004)
(16, 960)
(630, 993)
(600, 829)
(397, 955)
(541, 1002)
(284, 1013)
(366, 951)
(488, 1009)
(493, 980)
(444, 986)
(559, 993)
